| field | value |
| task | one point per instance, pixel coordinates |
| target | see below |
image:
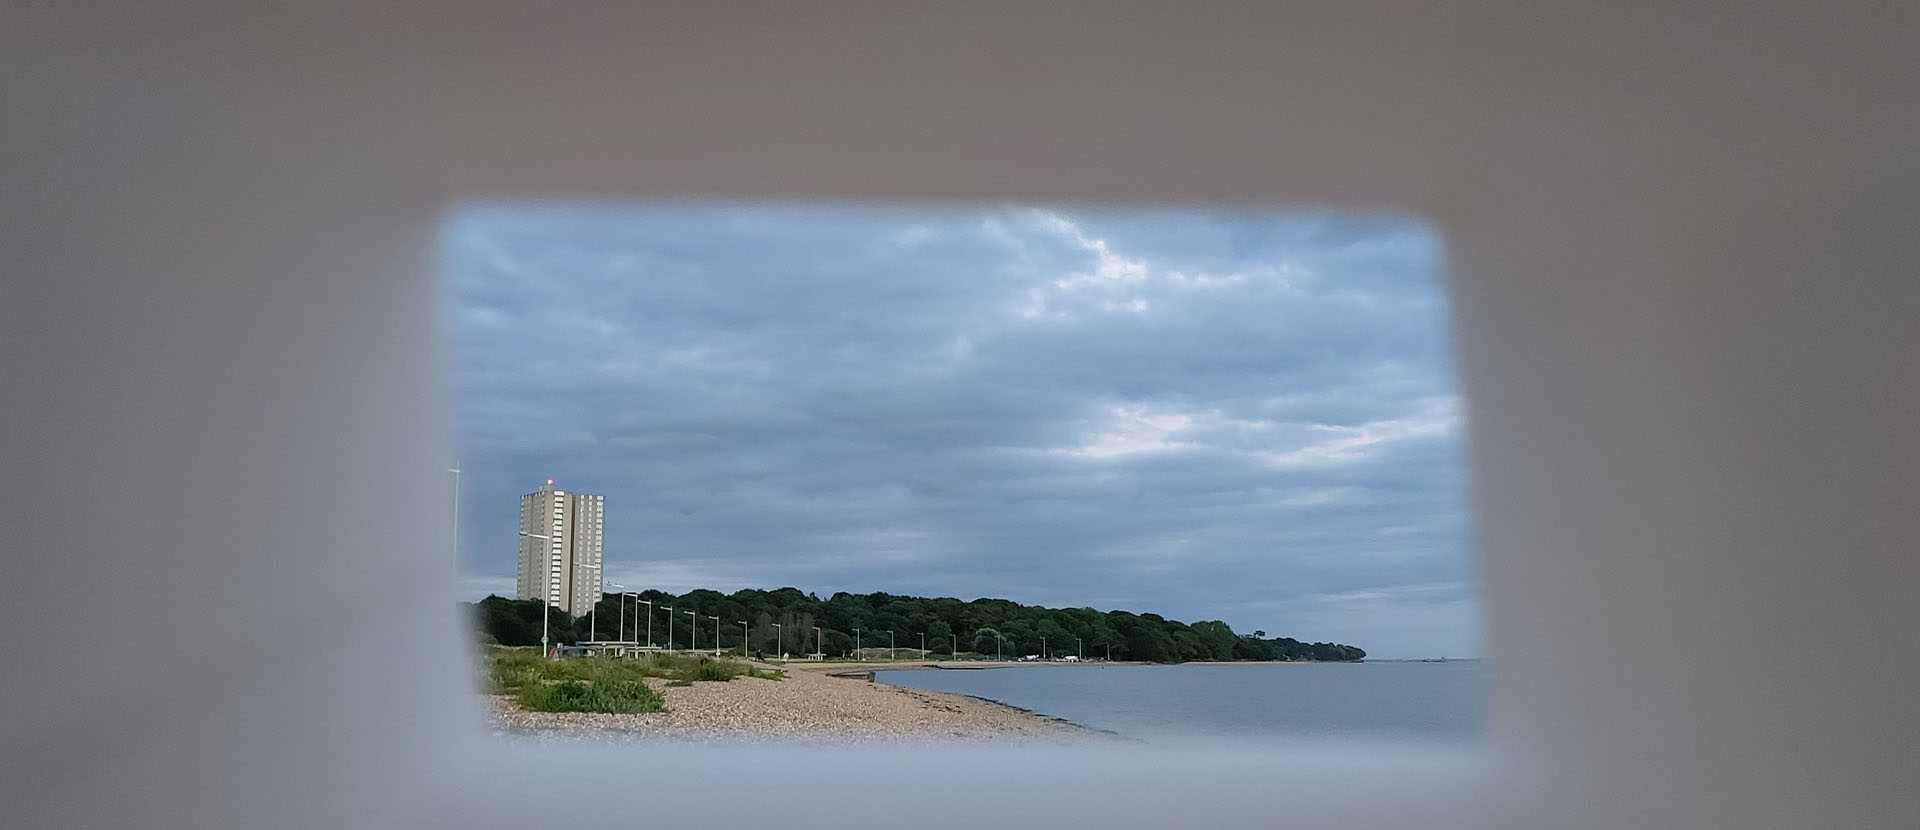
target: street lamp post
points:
(636, 616)
(956, 645)
(622, 636)
(693, 639)
(593, 613)
(544, 594)
(779, 640)
(1079, 649)
(1043, 648)
(890, 654)
(999, 645)
(636, 609)
(743, 639)
(924, 654)
(669, 610)
(817, 645)
(716, 635)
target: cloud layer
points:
(1237, 416)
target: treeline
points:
(1288, 648)
(982, 628)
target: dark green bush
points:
(716, 670)
(618, 697)
(601, 684)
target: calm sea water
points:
(1442, 702)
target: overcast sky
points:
(1241, 416)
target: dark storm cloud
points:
(1238, 416)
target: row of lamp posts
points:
(779, 632)
(694, 641)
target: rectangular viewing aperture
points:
(1149, 475)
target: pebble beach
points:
(808, 705)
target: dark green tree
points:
(980, 624)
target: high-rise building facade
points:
(562, 545)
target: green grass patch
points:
(702, 667)
(603, 684)
(620, 697)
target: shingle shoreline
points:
(805, 706)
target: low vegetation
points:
(602, 684)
